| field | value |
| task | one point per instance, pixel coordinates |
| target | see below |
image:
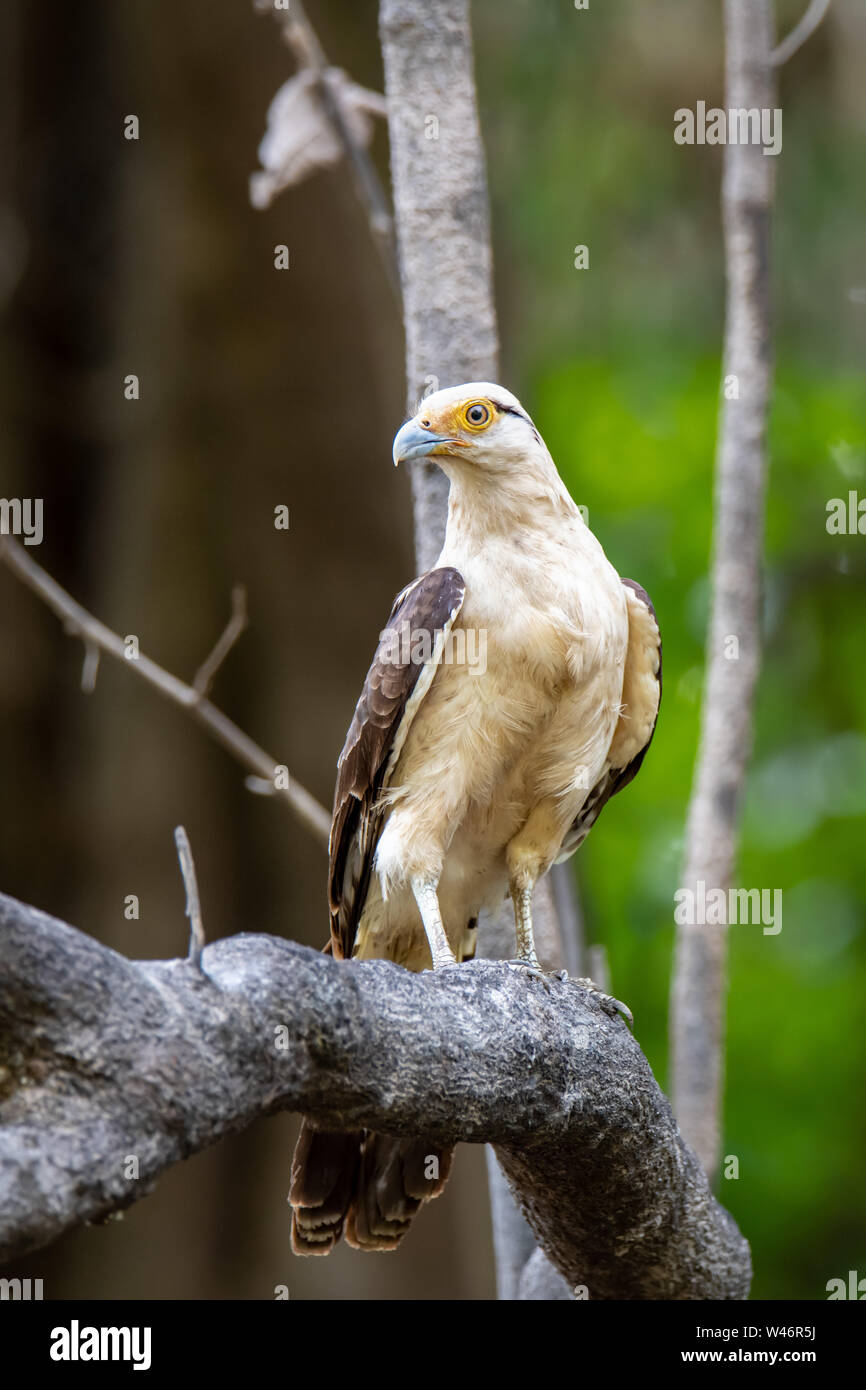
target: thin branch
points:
(79, 623)
(193, 903)
(598, 967)
(90, 668)
(105, 1060)
(800, 32)
(733, 640)
(302, 39)
(237, 624)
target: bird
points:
(515, 689)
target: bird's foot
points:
(608, 1003)
(532, 968)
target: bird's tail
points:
(362, 1185)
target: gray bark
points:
(442, 220)
(698, 996)
(513, 1240)
(103, 1060)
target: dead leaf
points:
(301, 139)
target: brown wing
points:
(642, 693)
(422, 616)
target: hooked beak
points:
(413, 442)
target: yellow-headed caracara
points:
(515, 689)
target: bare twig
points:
(77, 621)
(193, 903)
(302, 39)
(237, 623)
(800, 32)
(90, 668)
(598, 967)
(733, 640)
(102, 1057)
(259, 786)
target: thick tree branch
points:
(110, 1067)
(97, 637)
(442, 219)
(734, 638)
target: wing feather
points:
(422, 616)
(642, 692)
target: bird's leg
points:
(428, 905)
(528, 856)
(521, 893)
(521, 896)
(521, 885)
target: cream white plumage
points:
(497, 764)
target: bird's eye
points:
(477, 415)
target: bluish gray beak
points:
(413, 442)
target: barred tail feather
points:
(366, 1186)
(324, 1173)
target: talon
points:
(611, 1006)
(530, 968)
(519, 963)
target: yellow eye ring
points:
(477, 415)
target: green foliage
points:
(634, 442)
(620, 365)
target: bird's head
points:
(479, 426)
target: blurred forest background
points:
(261, 387)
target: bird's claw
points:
(610, 1005)
(535, 972)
